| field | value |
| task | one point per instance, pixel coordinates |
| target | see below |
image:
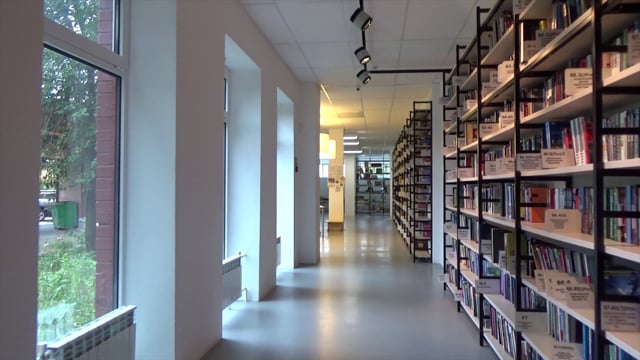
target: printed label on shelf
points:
(493, 78)
(529, 162)
(576, 79)
(464, 234)
(487, 129)
(465, 173)
(507, 165)
(491, 168)
(557, 158)
(488, 286)
(470, 104)
(457, 295)
(531, 321)
(633, 48)
(562, 220)
(486, 246)
(556, 284)
(443, 277)
(529, 49)
(450, 227)
(567, 351)
(506, 118)
(580, 296)
(505, 71)
(540, 274)
(452, 256)
(458, 80)
(543, 37)
(620, 316)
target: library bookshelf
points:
(542, 179)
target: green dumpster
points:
(65, 215)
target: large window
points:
(79, 172)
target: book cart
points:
(542, 179)
(412, 181)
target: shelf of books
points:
(412, 180)
(372, 184)
(542, 178)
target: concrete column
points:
(336, 183)
(437, 189)
(350, 185)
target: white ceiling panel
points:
(318, 21)
(425, 53)
(436, 20)
(338, 93)
(388, 19)
(378, 105)
(269, 20)
(305, 74)
(292, 55)
(338, 76)
(328, 54)
(384, 54)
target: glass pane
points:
(92, 19)
(78, 195)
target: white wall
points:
(20, 117)
(437, 171)
(350, 185)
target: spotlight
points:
(362, 55)
(361, 19)
(363, 76)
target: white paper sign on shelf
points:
(507, 165)
(465, 173)
(491, 167)
(506, 118)
(488, 286)
(580, 296)
(452, 255)
(576, 79)
(539, 276)
(493, 78)
(567, 351)
(529, 49)
(450, 227)
(530, 321)
(442, 277)
(470, 104)
(633, 48)
(457, 295)
(505, 71)
(458, 80)
(519, 6)
(464, 234)
(486, 246)
(557, 158)
(543, 37)
(529, 162)
(556, 284)
(487, 129)
(620, 316)
(562, 220)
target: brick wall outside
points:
(106, 117)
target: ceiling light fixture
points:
(350, 137)
(351, 143)
(362, 55)
(363, 76)
(353, 151)
(361, 19)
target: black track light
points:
(363, 55)
(361, 19)
(363, 76)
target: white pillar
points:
(336, 183)
(20, 118)
(307, 182)
(350, 185)
(437, 190)
(286, 180)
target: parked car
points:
(47, 198)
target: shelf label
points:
(519, 6)
(567, 351)
(633, 48)
(506, 118)
(505, 71)
(576, 79)
(528, 162)
(464, 234)
(543, 37)
(580, 296)
(491, 168)
(530, 321)
(488, 286)
(457, 295)
(493, 78)
(458, 80)
(465, 173)
(486, 246)
(450, 227)
(470, 104)
(487, 129)
(562, 220)
(620, 316)
(557, 158)
(540, 274)
(452, 256)
(557, 283)
(443, 277)
(507, 165)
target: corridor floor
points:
(366, 300)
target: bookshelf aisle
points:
(412, 181)
(542, 179)
(372, 184)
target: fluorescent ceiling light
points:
(353, 151)
(352, 143)
(350, 137)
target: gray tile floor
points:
(366, 300)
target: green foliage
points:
(66, 294)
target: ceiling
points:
(317, 40)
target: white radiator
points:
(231, 280)
(109, 337)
